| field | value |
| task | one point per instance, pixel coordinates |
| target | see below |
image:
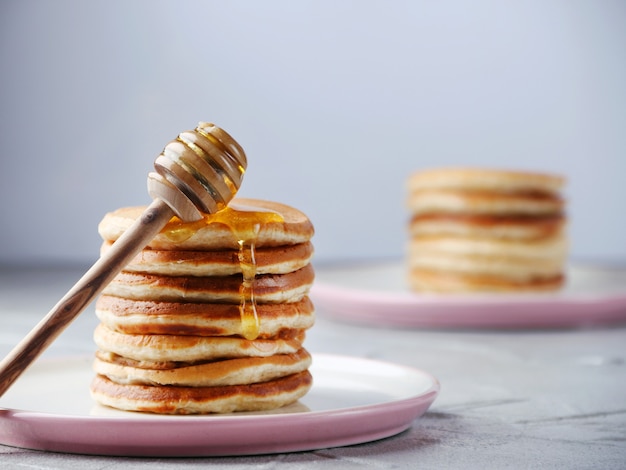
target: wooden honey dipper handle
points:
(197, 173)
(83, 292)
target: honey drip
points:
(245, 224)
(250, 324)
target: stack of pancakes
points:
(483, 230)
(211, 316)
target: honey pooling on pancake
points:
(244, 222)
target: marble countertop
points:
(509, 399)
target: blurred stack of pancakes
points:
(484, 230)
(211, 316)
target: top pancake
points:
(278, 224)
(486, 180)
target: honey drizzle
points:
(250, 324)
(245, 223)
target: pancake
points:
(479, 226)
(548, 250)
(289, 287)
(187, 348)
(284, 225)
(200, 319)
(508, 267)
(486, 230)
(444, 282)
(269, 260)
(454, 201)
(258, 396)
(483, 179)
(235, 371)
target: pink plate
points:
(376, 294)
(352, 401)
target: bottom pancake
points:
(201, 400)
(447, 282)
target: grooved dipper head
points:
(199, 172)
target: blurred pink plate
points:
(376, 294)
(352, 401)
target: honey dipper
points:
(197, 173)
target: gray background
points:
(335, 102)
